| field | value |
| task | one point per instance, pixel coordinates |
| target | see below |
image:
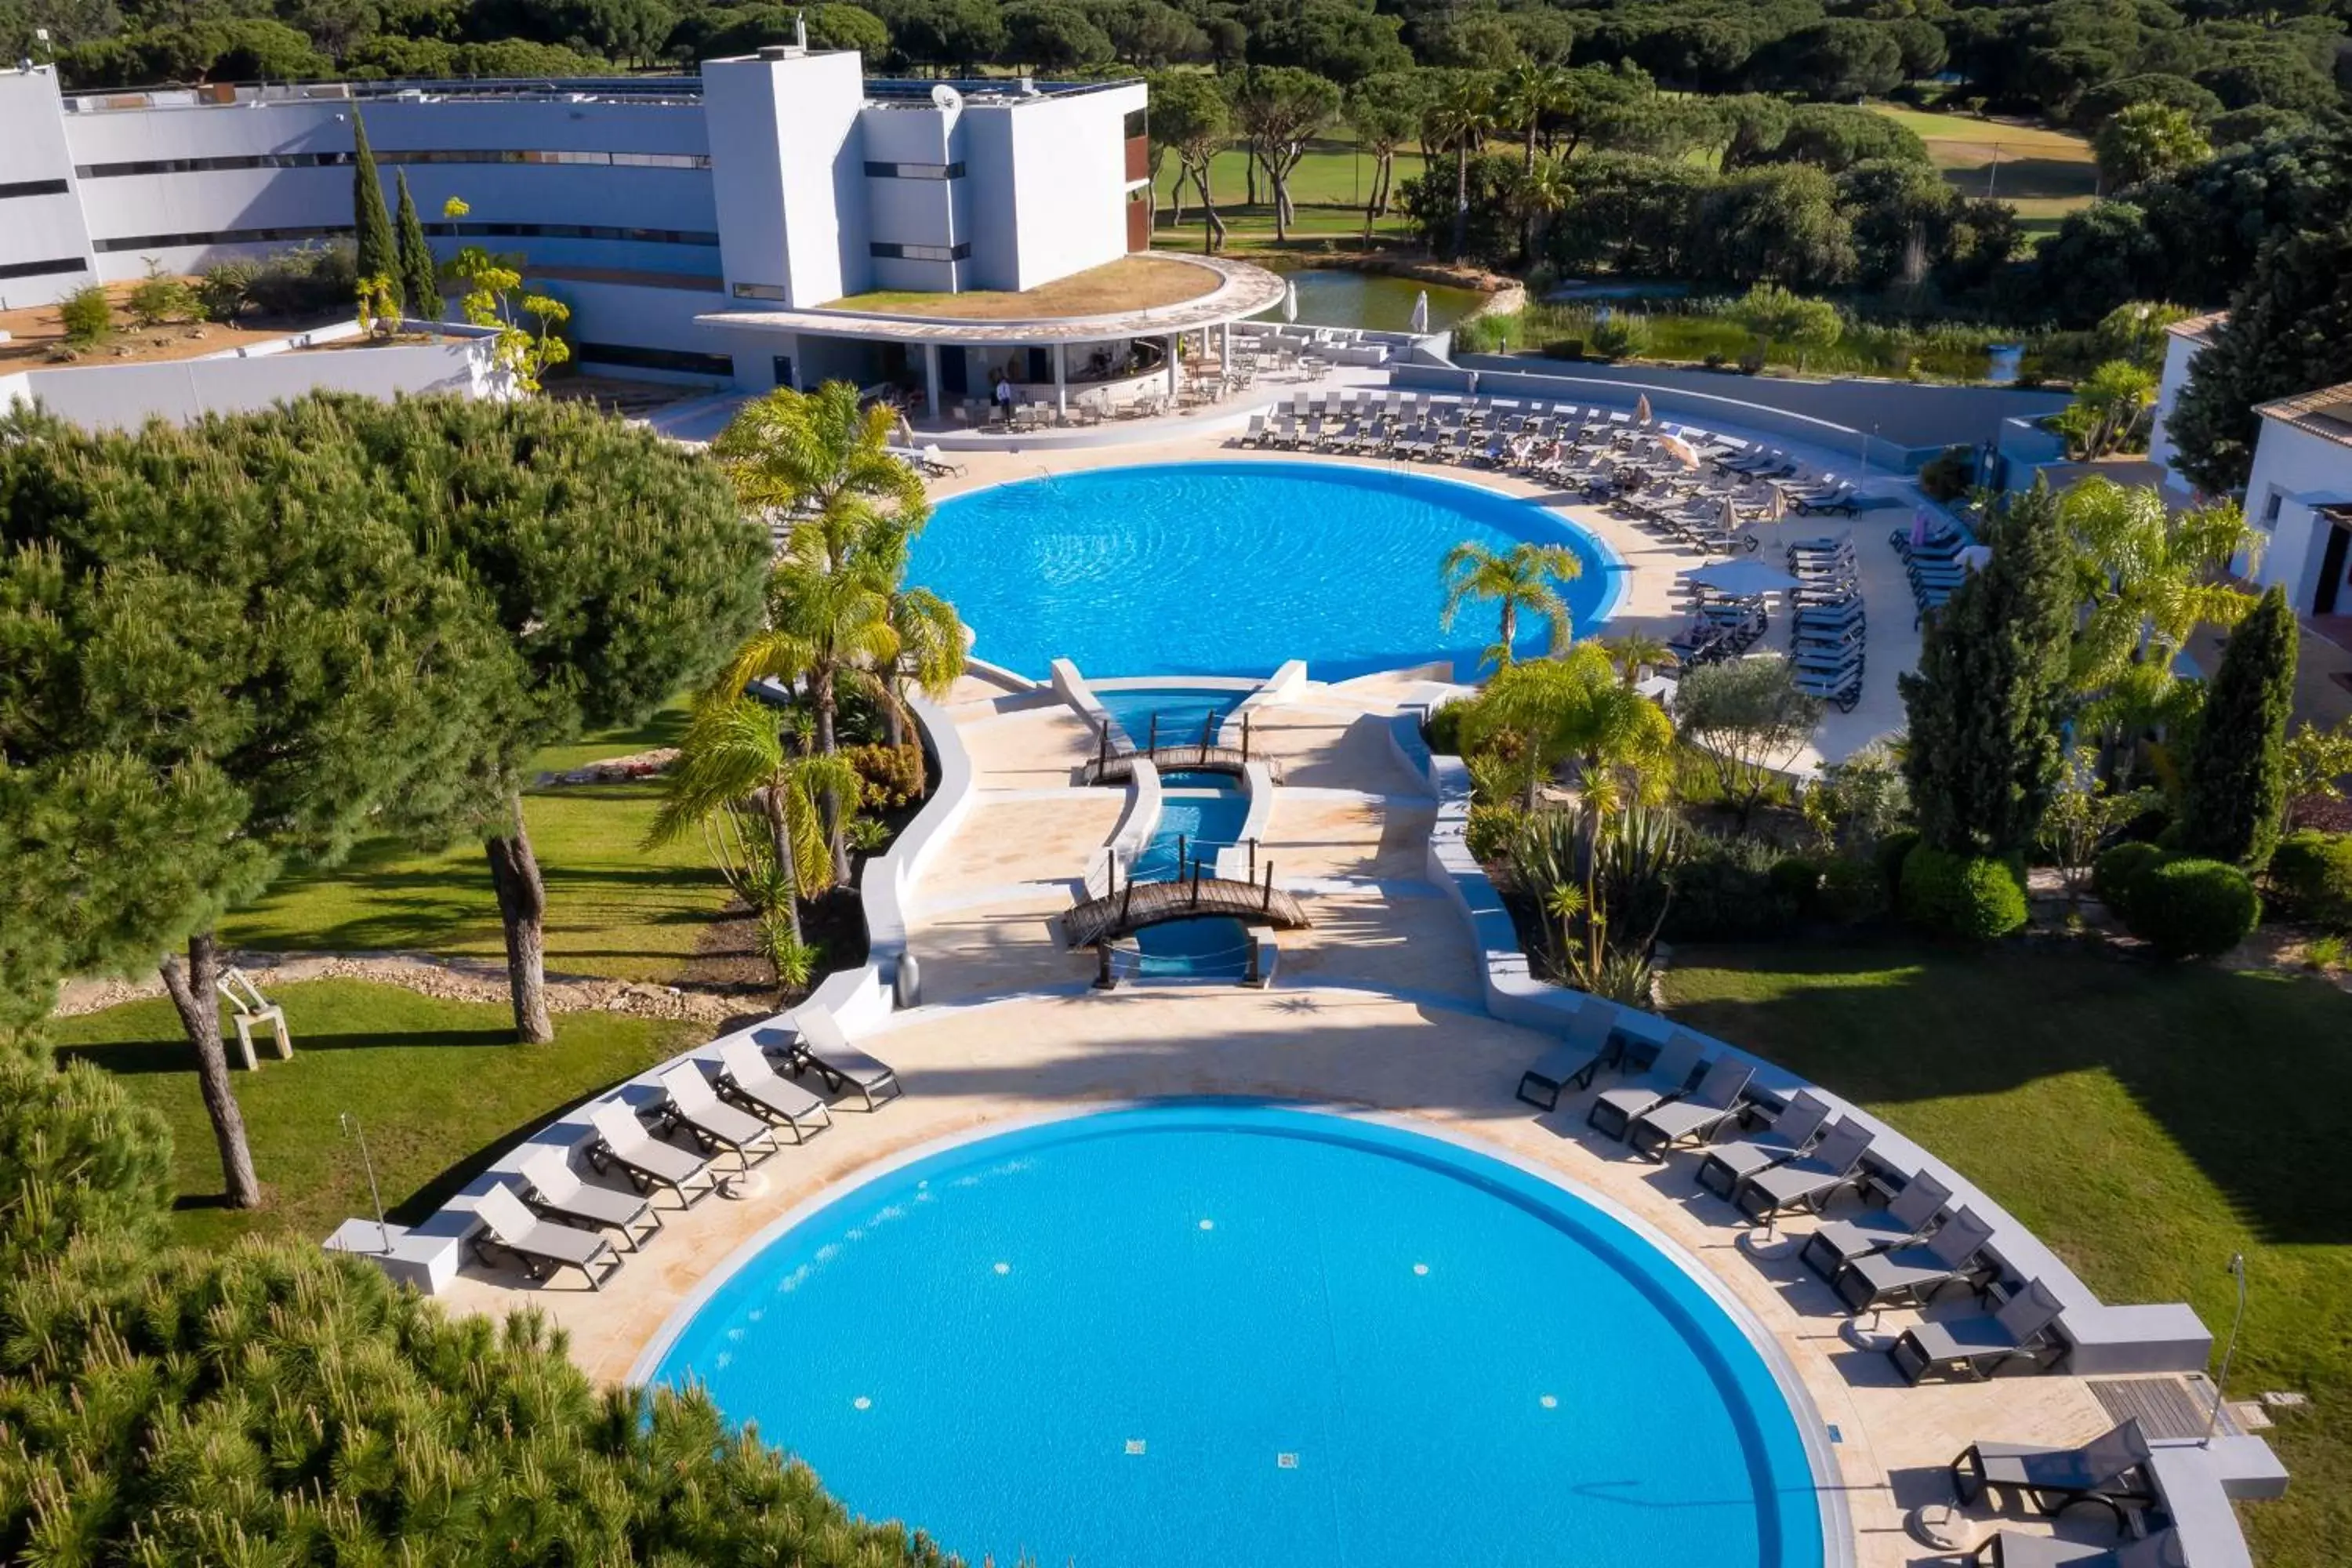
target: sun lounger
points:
(820, 1044)
(622, 1139)
(540, 1246)
(1667, 1074)
(1915, 1274)
(552, 1187)
(1695, 1118)
(746, 1078)
(694, 1105)
(1789, 1134)
(2110, 1471)
(1811, 1180)
(1574, 1060)
(1911, 1216)
(1980, 1346)
(938, 462)
(2013, 1549)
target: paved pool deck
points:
(1375, 1007)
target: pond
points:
(1332, 297)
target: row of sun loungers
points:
(1904, 1251)
(1936, 565)
(1828, 629)
(553, 1219)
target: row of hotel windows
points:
(443, 230)
(44, 268)
(888, 252)
(436, 155)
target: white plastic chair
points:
(251, 1008)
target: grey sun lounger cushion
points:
(1574, 1060)
(1809, 1180)
(622, 1139)
(1954, 1255)
(1697, 1116)
(541, 1245)
(745, 1073)
(1791, 1132)
(1668, 1074)
(2013, 1549)
(2110, 1470)
(552, 1186)
(715, 1124)
(1911, 1216)
(1981, 1345)
(820, 1044)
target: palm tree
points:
(734, 751)
(1532, 89)
(1541, 190)
(828, 626)
(1635, 652)
(1574, 710)
(819, 460)
(932, 641)
(1520, 578)
(1460, 119)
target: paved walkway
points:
(1375, 1007)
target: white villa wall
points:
(36, 229)
(2180, 353)
(2294, 472)
(924, 212)
(787, 168)
(1069, 169)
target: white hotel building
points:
(695, 225)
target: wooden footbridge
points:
(1127, 909)
(1204, 756)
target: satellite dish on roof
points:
(947, 97)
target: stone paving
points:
(1375, 1007)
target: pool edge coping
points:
(1812, 1429)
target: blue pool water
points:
(1200, 813)
(1242, 1335)
(1181, 710)
(1231, 568)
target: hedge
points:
(1978, 897)
(2189, 907)
(2311, 875)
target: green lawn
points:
(439, 1087)
(2146, 1123)
(1328, 190)
(613, 907)
(2043, 173)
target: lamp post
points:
(2220, 1382)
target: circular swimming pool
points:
(1231, 568)
(1244, 1334)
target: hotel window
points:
(886, 252)
(44, 268)
(419, 155)
(2270, 508)
(631, 357)
(875, 170)
(33, 188)
(761, 291)
(1138, 123)
(218, 237)
(569, 231)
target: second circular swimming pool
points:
(1229, 568)
(1241, 1334)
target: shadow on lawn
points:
(174, 1054)
(2245, 1072)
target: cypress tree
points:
(371, 224)
(2236, 788)
(419, 279)
(1984, 752)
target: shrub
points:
(889, 777)
(159, 297)
(1891, 851)
(2186, 908)
(1947, 475)
(1752, 362)
(1796, 881)
(87, 315)
(225, 289)
(2116, 875)
(1564, 348)
(1724, 891)
(308, 281)
(1490, 830)
(1978, 897)
(1620, 337)
(2311, 876)
(1443, 729)
(1851, 892)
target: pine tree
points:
(2236, 789)
(2288, 332)
(1985, 753)
(377, 256)
(420, 280)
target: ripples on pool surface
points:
(1231, 568)
(1239, 1335)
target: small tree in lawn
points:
(1985, 704)
(495, 298)
(375, 252)
(420, 275)
(2082, 813)
(2317, 763)
(2236, 787)
(1748, 720)
(1278, 109)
